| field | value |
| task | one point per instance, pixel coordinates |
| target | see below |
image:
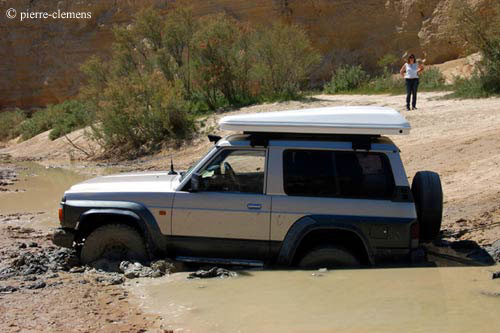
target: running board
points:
(221, 261)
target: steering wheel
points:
(228, 170)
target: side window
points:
(337, 174)
(309, 173)
(235, 171)
(364, 175)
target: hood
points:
(130, 182)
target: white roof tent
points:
(340, 120)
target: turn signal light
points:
(60, 214)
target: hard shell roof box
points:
(365, 120)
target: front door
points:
(229, 217)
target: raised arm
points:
(420, 69)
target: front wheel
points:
(329, 256)
(114, 242)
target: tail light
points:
(61, 216)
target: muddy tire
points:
(329, 256)
(114, 242)
(428, 196)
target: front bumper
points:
(63, 237)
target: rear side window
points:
(320, 173)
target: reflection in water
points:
(380, 300)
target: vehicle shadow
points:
(458, 253)
(445, 253)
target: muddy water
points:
(39, 191)
(377, 300)
(384, 300)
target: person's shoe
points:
(414, 108)
(407, 108)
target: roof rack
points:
(359, 141)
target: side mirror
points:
(196, 181)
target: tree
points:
(283, 58)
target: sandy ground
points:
(459, 139)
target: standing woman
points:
(410, 71)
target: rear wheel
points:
(114, 242)
(329, 256)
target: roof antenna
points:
(172, 171)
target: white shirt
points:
(411, 71)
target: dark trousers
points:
(411, 90)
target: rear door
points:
(230, 216)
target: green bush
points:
(490, 66)
(389, 62)
(346, 78)
(431, 79)
(164, 72)
(282, 58)
(222, 63)
(386, 83)
(469, 87)
(9, 124)
(41, 121)
(71, 115)
(60, 118)
(480, 30)
(138, 116)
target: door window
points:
(235, 171)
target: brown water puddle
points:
(372, 300)
(416, 299)
(40, 190)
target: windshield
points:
(188, 171)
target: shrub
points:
(71, 115)
(469, 87)
(9, 124)
(40, 121)
(480, 30)
(346, 78)
(389, 62)
(431, 79)
(282, 57)
(222, 62)
(139, 115)
(387, 83)
(60, 118)
(165, 71)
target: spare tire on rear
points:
(428, 196)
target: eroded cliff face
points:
(40, 58)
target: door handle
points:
(254, 206)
